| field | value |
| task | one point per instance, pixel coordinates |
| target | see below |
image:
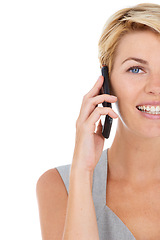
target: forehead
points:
(146, 43)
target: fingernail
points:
(100, 77)
(113, 96)
(115, 114)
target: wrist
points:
(83, 164)
(81, 176)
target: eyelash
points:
(135, 67)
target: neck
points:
(133, 158)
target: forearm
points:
(81, 223)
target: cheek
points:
(127, 97)
(124, 89)
(128, 90)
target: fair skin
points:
(139, 135)
(133, 159)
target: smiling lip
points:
(149, 116)
(153, 103)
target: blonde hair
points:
(145, 16)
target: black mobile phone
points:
(106, 127)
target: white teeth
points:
(158, 108)
(150, 109)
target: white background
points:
(48, 61)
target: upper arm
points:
(52, 201)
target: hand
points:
(89, 144)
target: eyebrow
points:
(136, 59)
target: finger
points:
(95, 115)
(103, 98)
(91, 103)
(96, 88)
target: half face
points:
(135, 80)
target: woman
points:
(113, 194)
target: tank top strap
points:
(64, 172)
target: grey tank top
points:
(110, 226)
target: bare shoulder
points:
(52, 202)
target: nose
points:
(153, 84)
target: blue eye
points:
(134, 69)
